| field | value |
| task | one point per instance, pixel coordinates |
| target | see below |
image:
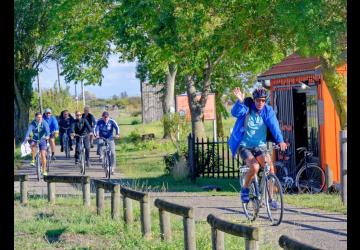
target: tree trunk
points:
(219, 123)
(21, 114)
(197, 124)
(169, 100)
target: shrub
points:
(134, 136)
(135, 121)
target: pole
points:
(83, 93)
(214, 133)
(58, 73)
(40, 94)
(76, 97)
(343, 165)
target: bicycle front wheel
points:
(38, 167)
(82, 162)
(274, 199)
(48, 160)
(310, 178)
(251, 209)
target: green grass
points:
(68, 225)
(323, 201)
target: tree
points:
(325, 36)
(31, 25)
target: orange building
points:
(305, 110)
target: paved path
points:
(325, 230)
(64, 166)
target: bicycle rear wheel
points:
(251, 209)
(274, 199)
(310, 178)
(38, 167)
(82, 161)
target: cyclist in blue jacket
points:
(38, 130)
(248, 137)
(54, 130)
(104, 129)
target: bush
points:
(134, 136)
(135, 121)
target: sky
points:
(118, 77)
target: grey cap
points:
(47, 110)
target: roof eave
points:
(291, 74)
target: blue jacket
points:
(52, 122)
(267, 114)
(38, 131)
(106, 129)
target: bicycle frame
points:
(65, 142)
(82, 155)
(106, 152)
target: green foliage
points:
(135, 121)
(56, 100)
(170, 161)
(134, 136)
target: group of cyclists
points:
(45, 127)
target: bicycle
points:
(269, 191)
(65, 142)
(106, 157)
(38, 167)
(283, 173)
(48, 156)
(310, 177)
(82, 154)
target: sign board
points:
(182, 107)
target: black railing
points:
(212, 158)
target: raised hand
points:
(239, 95)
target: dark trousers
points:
(61, 134)
(86, 145)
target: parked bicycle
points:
(264, 188)
(310, 177)
(82, 155)
(106, 157)
(283, 173)
(65, 142)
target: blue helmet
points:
(260, 93)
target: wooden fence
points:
(219, 226)
(188, 220)
(212, 158)
(290, 244)
(144, 199)
(23, 178)
(114, 188)
(84, 180)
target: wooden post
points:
(51, 192)
(328, 177)
(189, 233)
(145, 217)
(128, 211)
(115, 202)
(165, 228)
(251, 244)
(24, 191)
(86, 192)
(217, 238)
(343, 165)
(99, 200)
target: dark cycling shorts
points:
(246, 152)
(52, 135)
(42, 144)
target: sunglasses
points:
(78, 115)
(48, 113)
(260, 100)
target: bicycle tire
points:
(310, 178)
(66, 145)
(83, 161)
(104, 163)
(251, 209)
(109, 164)
(275, 215)
(38, 167)
(48, 159)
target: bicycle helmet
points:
(259, 93)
